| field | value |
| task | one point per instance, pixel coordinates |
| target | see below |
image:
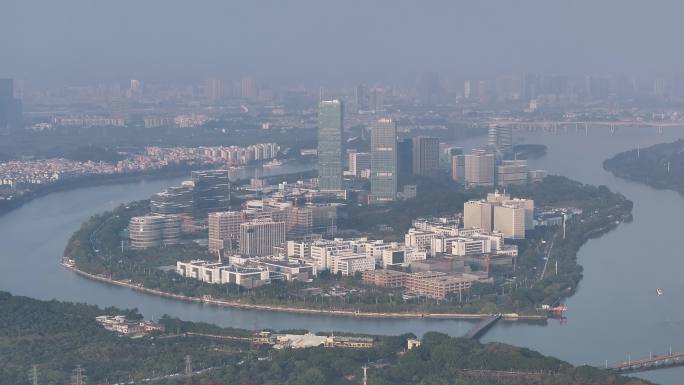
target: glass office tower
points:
(383, 161)
(330, 145)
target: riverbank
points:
(286, 309)
(92, 181)
(102, 180)
(64, 335)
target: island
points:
(660, 166)
(66, 340)
(529, 151)
(527, 280)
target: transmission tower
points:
(188, 366)
(78, 377)
(33, 375)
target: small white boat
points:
(659, 291)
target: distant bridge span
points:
(654, 362)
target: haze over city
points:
(326, 43)
(315, 193)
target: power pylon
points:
(78, 377)
(188, 366)
(33, 374)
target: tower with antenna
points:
(365, 375)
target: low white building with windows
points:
(219, 273)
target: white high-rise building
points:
(509, 219)
(478, 214)
(384, 161)
(479, 169)
(258, 237)
(224, 229)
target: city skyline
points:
(405, 192)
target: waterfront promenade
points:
(286, 309)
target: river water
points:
(615, 312)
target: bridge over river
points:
(653, 362)
(482, 327)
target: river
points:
(615, 312)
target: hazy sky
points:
(326, 41)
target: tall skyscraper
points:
(458, 168)
(405, 160)
(330, 115)
(425, 155)
(10, 107)
(383, 161)
(361, 97)
(479, 169)
(211, 191)
(429, 88)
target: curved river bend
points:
(614, 313)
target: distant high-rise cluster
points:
(248, 89)
(10, 107)
(330, 118)
(214, 89)
(481, 168)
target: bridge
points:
(482, 327)
(653, 362)
(583, 124)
